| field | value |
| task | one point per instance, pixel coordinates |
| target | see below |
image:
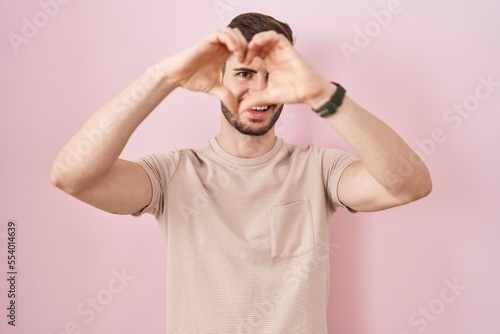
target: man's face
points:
(242, 81)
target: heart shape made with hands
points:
(291, 79)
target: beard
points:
(246, 129)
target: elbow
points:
(420, 188)
(412, 188)
(63, 180)
(424, 190)
(425, 184)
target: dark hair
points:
(252, 23)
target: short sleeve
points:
(160, 168)
(332, 163)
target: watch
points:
(333, 104)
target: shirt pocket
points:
(291, 230)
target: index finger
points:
(233, 40)
(262, 44)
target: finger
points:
(257, 99)
(233, 42)
(261, 45)
(243, 42)
(225, 95)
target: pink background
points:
(387, 267)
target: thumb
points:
(226, 97)
(260, 98)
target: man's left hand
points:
(291, 78)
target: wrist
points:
(323, 95)
(333, 103)
(164, 71)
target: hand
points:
(199, 67)
(291, 78)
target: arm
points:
(382, 178)
(88, 166)
(389, 174)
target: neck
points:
(245, 146)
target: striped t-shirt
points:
(247, 238)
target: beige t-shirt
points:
(247, 239)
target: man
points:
(246, 216)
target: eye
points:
(245, 75)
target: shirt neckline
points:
(246, 161)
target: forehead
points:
(257, 64)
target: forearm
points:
(380, 181)
(94, 148)
(384, 154)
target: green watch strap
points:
(333, 104)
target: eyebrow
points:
(244, 69)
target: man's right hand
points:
(199, 67)
(91, 170)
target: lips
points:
(260, 111)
